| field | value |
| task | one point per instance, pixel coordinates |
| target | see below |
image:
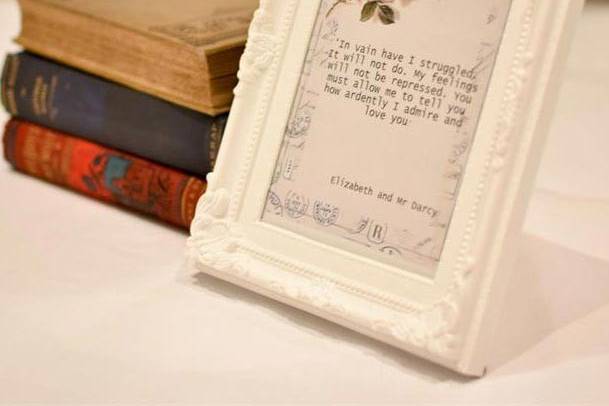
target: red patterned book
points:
(102, 173)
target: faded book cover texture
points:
(102, 173)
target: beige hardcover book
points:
(184, 51)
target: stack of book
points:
(124, 101)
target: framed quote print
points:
(377, 162)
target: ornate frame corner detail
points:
(262, 47)
(217, 240)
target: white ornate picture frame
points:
(444, 308)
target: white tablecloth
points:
(94, 306)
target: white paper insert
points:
(383, 122)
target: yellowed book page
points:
(199, 23)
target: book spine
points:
(102, 173)
(56, 96)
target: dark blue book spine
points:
(41, 91)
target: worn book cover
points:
(102, 173)
(44, 92)
(185, 51)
